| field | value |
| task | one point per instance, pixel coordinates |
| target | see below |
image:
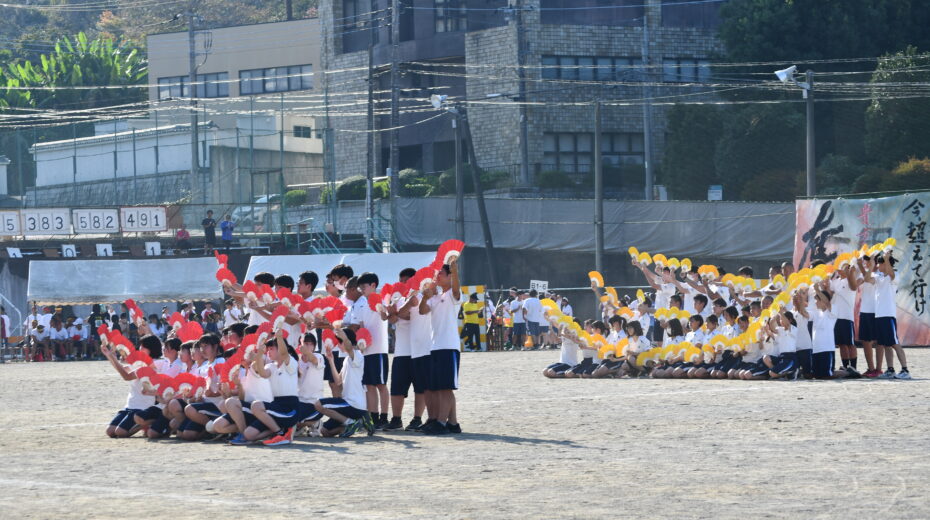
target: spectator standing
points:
(4, 331)
(226, 227)
(471, 331)
(209, 232)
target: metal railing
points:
(318, 241)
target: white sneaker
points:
(904, 374)
(209, 427)
(887, 374)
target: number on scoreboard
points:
(143, 218)
(95, 220)
(46, 221)
(10, 224)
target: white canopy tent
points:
(386, 265)
(82, 282)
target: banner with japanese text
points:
(826, 228)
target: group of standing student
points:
(799, 340)
(278, 387)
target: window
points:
(276, 79)
(574, 152)
(685, 70)
(359, 24)
(213, 85)
(303, 132)
(173, 87)
(450, 15)
(591, 68)
(592, 12)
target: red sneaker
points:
(872, 373)
(278, 440)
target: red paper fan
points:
(190, 331)
(167, 386)
(450, 249)
(104, 332)
(176, 320)
(145, 375)
(278, 316)
(329, 338)
(268, 294)
(265, 332)
(221, 259)
(251, 290)
(226, 277)
(363, 338)
(120, 343)
(336, 315)
(138, 359)
(284, 296)
(185, 383)
(248, 343)
(305, 309)
(374, 302)
(135, 313)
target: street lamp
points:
(788, 76)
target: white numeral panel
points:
(46, 221)
(143, 218)
(95, 220)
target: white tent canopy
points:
(386, 265)
(81, 282)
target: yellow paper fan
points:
(659, 260)
(686, 265)
(640, 295)
(633, 252)
(673, 263)
(612, 293)
(596, 279)
(644, 259)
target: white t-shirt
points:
(39, 336)
(80, 333)
(352, 390)
(311, 379)
(444, 320)
(885, 289)
(231, 316)
(567, 310)
(722, 290)
(641, 344)
(58, 334)
(786, 340)
(696, 338)
(170, 369)
(569, 352)
(136, 400)
(688, 293)
(534, 310)
(867, 297)
(378, 328)
(402, 332)
(516, 308)
(283, 378)
(204, 371)
(802, 337)
(254, 386)
(843, 299)
(823, 339)
(664, 295)
(421, 332)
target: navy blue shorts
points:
(327, 373)
(786, 363)
(823, 364)
(867, 326)
(160, 424)
(559, 368)
(444, 369)
(306, 412)
(207, 408)
(843, 333)
(585, 367)
(376, 370)
(533, 328)
(189, 425)
(401, 375)
(343, 408)
(125, 419)
(283, 410)
(759, 369)
(612, 364)
(655, 333)
(150, 414)
(806, 361)
(422, 367)
(519, 329)
(886, 331)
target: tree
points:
(689, 150)
(773, 30)
(756, 139)
(896, 128)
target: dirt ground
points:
(533, 448)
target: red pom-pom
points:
(190, 331)
(363, 338)
(225, 276)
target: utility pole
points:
(462, 117)
(598, 192)
(289, 9)
(811, 159)
(191, 91)
(395, 113)
(647, 108)
(459, 184)
(370, 172)
(521, 75)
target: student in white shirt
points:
(275, 420)
(310, 381)
(124, 424)
(440, 301)
(402, 373)
(376, 355)
(803, 341)
(41, 344)
(78, 334)
(822, 338)
(786, 339)
(886, 327)
(153, 418)
(866, 331)
(518, 335)
(346, 414)
(637, 344)
(231, 314)
(58, 339)
(198, 414)
(844, 284)
(568, 356)
(533, 316)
